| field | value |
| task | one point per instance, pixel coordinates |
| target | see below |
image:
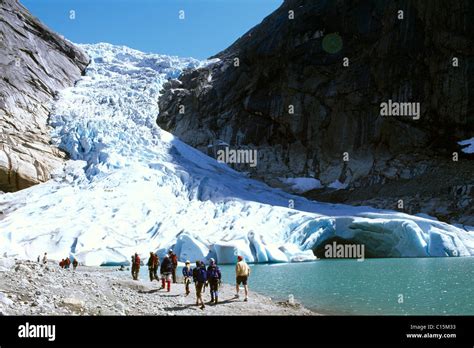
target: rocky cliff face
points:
(286, 89)
(35, 64)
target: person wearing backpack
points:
(214, 280)
(188, 273)
(201, 278)
(135, 266)
(153, 263)
(67, 262)
(74, 264)
(166, 270)
(174, 262)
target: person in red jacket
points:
(174, 262)
(153, 263)
(135, 266)
(74, 264)
(61, 263)
(67, 262)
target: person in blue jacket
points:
(188, 275)
(214, 279)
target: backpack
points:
(166, 266)
(214, 272)
(137, 260)
(174, 259)
(201, 275)
(155, 261)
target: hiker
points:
(38, 259)
(74, 264)
(67, 262)
(174, 262)
(214, 280)
(195, 274)
(188, 273)
(45, 258)
(135, 266)
(201, 278)
(61, 263)
(166, 270)
(153, 263)
(242, 271)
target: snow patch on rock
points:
(301, 185)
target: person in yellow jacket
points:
(242, 272)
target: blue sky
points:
(154, 25)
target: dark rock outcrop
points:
(336, 131)
(35, 63)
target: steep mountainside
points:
(336, 133)
(35, 64)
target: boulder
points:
(23, 269)
(72, 303)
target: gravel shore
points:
(31, 288)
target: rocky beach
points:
(31, 288)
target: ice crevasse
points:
(132, 187)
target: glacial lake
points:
(409, 286)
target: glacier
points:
(130, 186)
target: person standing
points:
(214, 280)
(242, 272)
(135, 266)
(74, 264)
(188, 275)
(201, 277)
(166, 270)
(174, 262)
(45, 258)
(67, 262)
(153, 264)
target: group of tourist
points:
(64, 263)
(201, 275)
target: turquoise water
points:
(434, 286)
(428, 286)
